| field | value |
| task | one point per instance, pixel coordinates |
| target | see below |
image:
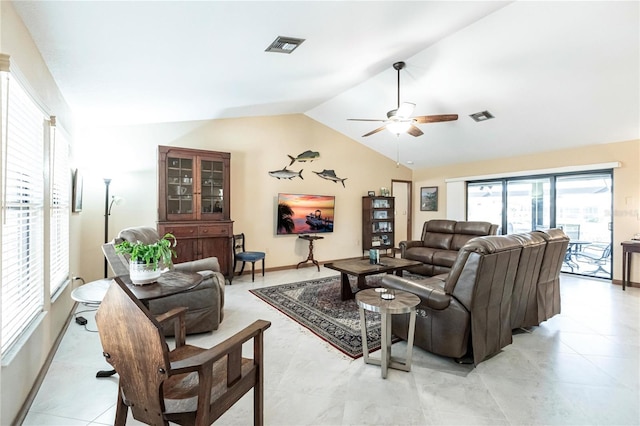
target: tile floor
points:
(578, 368)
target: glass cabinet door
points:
(180, 188)
(193, 184)
(212, 187)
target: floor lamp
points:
(107, 213)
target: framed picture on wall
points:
(429, 199)
(76, 194)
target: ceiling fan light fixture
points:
(481, 116)
(397, 127)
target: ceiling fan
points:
(399, 120)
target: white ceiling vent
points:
(482, 116)
(284, 44)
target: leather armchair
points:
(205, 303)
(470, 307)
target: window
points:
(34, 217)
(59, 210)
(22, 210)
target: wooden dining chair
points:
(187, 385)
(240, 254)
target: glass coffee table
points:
(387, 303)
(361, 268)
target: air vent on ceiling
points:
(284, 44)
(481, 116)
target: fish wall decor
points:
(285, 174)
(331, 175)
(305, 156)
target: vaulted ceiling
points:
(554, 74)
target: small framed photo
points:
(429, 199)
(371, 193)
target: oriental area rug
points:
(316, 305)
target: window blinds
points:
(59, 209)
(23, 125)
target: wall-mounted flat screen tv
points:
(305, 213)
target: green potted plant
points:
(145, 260)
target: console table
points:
(311, 239)
(628, 248)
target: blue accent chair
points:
(241, 255)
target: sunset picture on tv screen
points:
(305, 213)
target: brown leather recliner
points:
(536, 292)
(524, 299)
(439, 243)
(470, 308)
(205, 302)
(548, 288)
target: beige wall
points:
(626, 185)
(257, 145)
(20, 370)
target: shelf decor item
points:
(148, 260)
(429, 199)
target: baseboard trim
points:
(631, 284)
(22, 414)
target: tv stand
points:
(311, 239)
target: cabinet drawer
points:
(180, 231)
(214, 231)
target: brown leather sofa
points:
(470, 307)
(438, 246)
(497, 283)
(205, 303)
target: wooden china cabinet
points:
(193, 204)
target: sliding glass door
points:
(583, 211)
(484, 200)
(528, 202)
(580, 204)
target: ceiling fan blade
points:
(414, 131)
(405, 109)
(364, 119)
(435, 118)
(379, 129)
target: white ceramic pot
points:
(141, 273)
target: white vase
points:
(141, 273)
